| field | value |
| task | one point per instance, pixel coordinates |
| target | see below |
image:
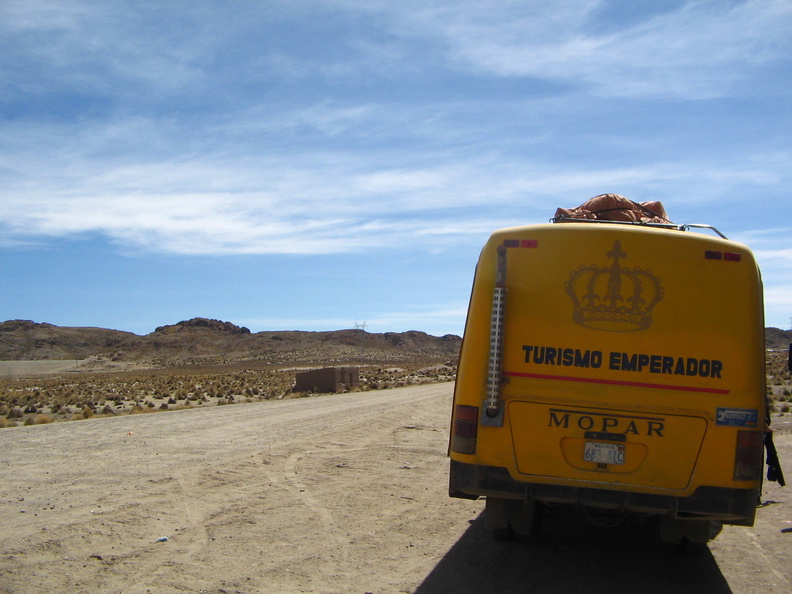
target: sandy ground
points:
(341, 493)
(44, 367)
(13, 369)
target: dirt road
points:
(341, 493)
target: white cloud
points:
(325, 203)
(432, 320)
(696, 50)
(448, 320)
(331, 174)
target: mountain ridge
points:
(205, 339)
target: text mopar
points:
(606, 423)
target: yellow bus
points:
(615, 367)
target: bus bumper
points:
(731, 506)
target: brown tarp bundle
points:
(612, 207)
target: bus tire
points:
(512, 518)
(687, 534)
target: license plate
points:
(603, 453)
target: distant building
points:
(329, 379)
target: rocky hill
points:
(777, 339)
(23, 340)
(202, 340)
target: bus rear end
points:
(615, 368)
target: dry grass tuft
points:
(86, 395)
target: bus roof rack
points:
(683, 227)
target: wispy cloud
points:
(435, 321)
(687, 50)
(239, 203)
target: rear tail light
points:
(748, 457)
(465, 429)
(727, 256)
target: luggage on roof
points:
(613, 207)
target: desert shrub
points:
(43, 419)
(64, 397)
(109, 410)
(87, 412)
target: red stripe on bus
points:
(591, 380)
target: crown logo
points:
(613, 298)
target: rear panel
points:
(631, 357)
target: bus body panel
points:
(631, 360)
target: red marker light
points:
(520, 243)
(727, 256)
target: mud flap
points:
(774, 472)
(509, 518)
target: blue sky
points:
(309, 164)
